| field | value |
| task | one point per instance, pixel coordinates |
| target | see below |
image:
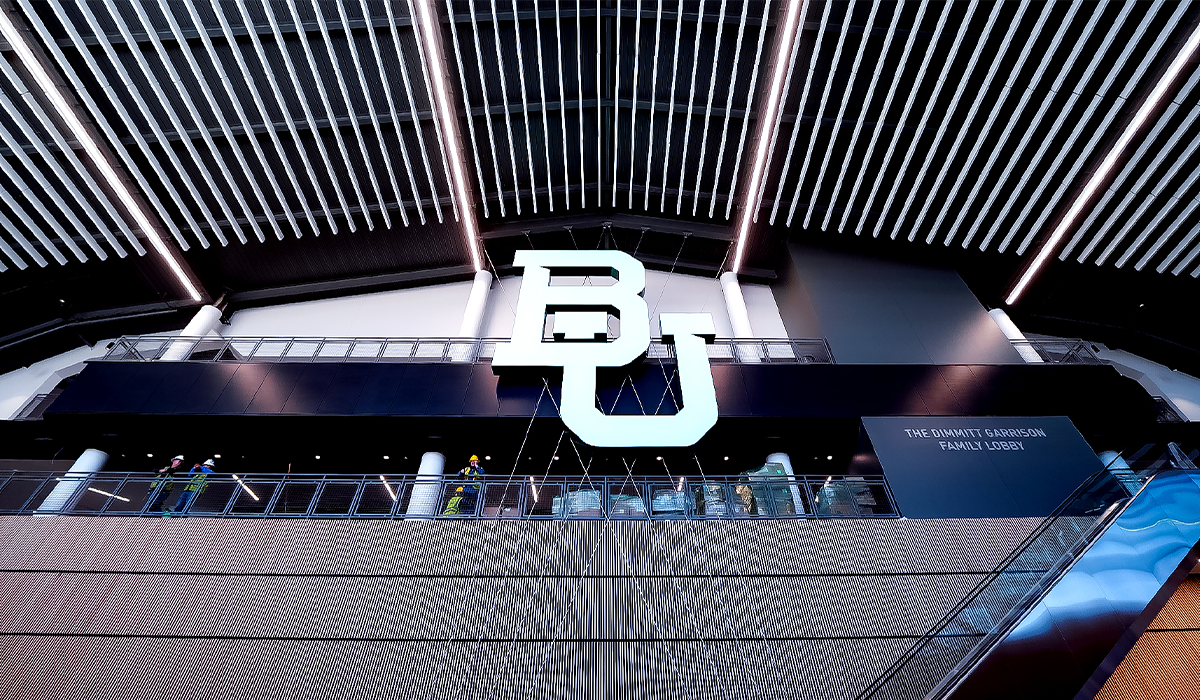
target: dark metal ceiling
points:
(292, 142)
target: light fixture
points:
(149, 455)
(487, 457)
(767, 120)
(726, 458)
(318, 456)
(216, 456)
(659, 458)
(441, 97)
(386, 457)
(50, 89)
(533, 489)
(680, 487)
(245, 487)
(106, 493)
(555, 458)
(388, 486)
(1106, 165)
(830, 457)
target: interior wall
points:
(880, 311)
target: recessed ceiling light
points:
(318, 456)
(216, 456)
(149, 455)
(487, 457)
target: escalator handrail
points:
(987, 580)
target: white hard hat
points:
(177, 457)
(209, 463)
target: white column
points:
(424, 501)
(1015, 336)
(90, 462)
(782, 458)
(206, 321)
(472, 321)
(739, 317)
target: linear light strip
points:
(371, 111)
(120, 148)
(637, 54)
(769, 120)
(169, 106)
(908, 104)
(1018, 116)
(579, 84)
(344, 90)
(1101, 173)
(737, 55)
(662, 202)
(385, 80)
(281, 105)
(887, 104)
(445, 108)
(781, 98)
(1036, 122)
(50, 127)
(1097, 132)
(737, 161)
(512, 154)
(599, 114)
(653, 95)
(837, 121)
(409, 93)
(83, 137)
(49, 189)
(712, 86)
(687, 128)
(537, 32)
(931, 151)
(67, 182)
(808, 78)
(487, 107)
(386, 485)
(218, 113)
(616, 102)
(132, 88)
(243, 118)
(1131, 165)
(997, 106)
(525, 110)
(239, 479)
(317, 79)
(562, 103)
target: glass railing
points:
(148, 348)
(421, 497)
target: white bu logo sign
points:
(580, 316)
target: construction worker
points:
(160, 488)
(454, 507)
(474, 474)
(195, 485)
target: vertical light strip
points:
(371, 111)
(512, 153)
(808, 78)
(119, 148)
(1097, 131)
(887, 104)
(845, 102)
(231, 93)
(687, 116)
(754, 71)
(599, 113)
(712, 86)
(50, 89)
(653, 96)
(428, 36)
(537, 32)
(351, 113)
(666, 161)
(579, 84)
(728, 117)
(1106, 165)
(562, 102)
(525, 108)
(170, 106)
(784, 55)
(912, 95)
(409, 95)
(616, 120)
(226, 131)
(245, 19)
(487, 106)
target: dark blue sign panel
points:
(980, 467)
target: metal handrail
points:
(410, 496)
(151, 348)
(1061, 351)
(984, 584)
